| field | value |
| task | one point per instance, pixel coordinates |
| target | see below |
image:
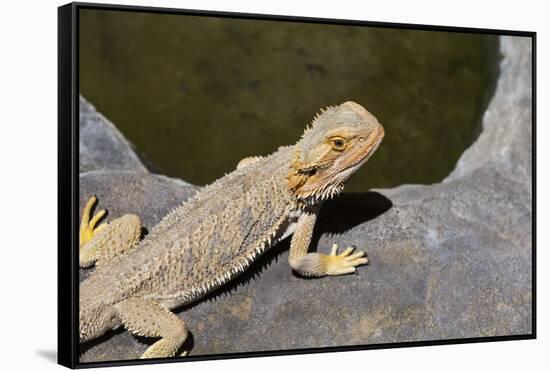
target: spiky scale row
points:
(311, 125)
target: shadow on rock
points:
(84, 347)
(349, 210)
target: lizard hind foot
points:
(100, 244)
(88, 227)
(345, 262)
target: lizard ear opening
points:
(309, 171)
(295, 180)
(299, 172)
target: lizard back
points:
(204, 242)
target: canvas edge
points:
(67, 190)
(68, 344)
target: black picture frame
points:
(68, 180)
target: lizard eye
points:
(338, 144)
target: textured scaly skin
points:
(216, 235)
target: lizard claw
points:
(88, 227)
(345, 262)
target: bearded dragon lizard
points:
(216, 235)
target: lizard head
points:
(338, 142)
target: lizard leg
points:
(147, 318)
(317, 264)
(101, 244)
(247, 161)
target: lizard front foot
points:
(344, 263)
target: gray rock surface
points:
(102, 146)
(449, 260)
(506, 140)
